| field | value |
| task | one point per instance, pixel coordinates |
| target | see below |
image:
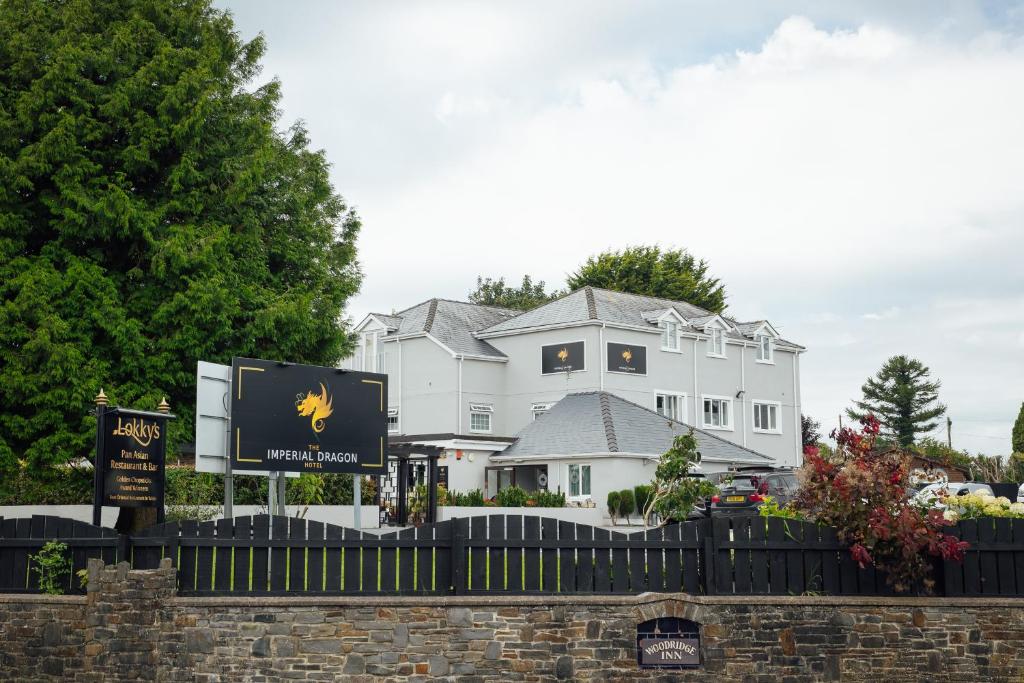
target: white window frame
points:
(778, 416)
(539, 409)
(568, 481)
(680, 398)
(731, 413)
(380, 365)
(715, 333)
(481, 409)
(764, 342)
(670, 333)
(393, 413)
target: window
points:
(382, 362)
(579, 481)
(716, 342)
(480, 418)
(718, 413)
(764, 348)
(540, 409)
(669, 335)
(766, 417)
(392, 419)
(672, 406)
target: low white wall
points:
(340, 515)
(591, 516)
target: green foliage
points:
(613, 501)
(939, 451)
(903, 398)
(192, 495)
(53, 564)
(528, 295)
(548, 499)
(418, 502)
(153, 212)
(511, 497)
(338, 489)
(770, 508)
(671, 274)
(674, 492)
(1017, 437)
(809, 430)
(474, 498)
(627, 503)
(306, 489)
(643, 494)
(59, 485)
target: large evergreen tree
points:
(152, 213)
(528, 295)
(671, 274)
(1017, 438)
(903, 398)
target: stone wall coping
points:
(262, 602)
(40, 599)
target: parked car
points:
(932, 494)
(745, 492)
(1020, 494)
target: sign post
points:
(131, 447)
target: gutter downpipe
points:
(696, 396)
(399, 342)
(798, 431)
(458, 409)
(743, 390)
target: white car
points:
(931, 495)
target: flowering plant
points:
(862, 493)
(981, 504)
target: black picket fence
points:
(512, 554)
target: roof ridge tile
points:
(609, 425)
(430, 316)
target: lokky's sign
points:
(132, 445)
(307, 418)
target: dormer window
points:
(765, 347)
(669, 335)
(716, 342)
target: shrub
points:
(475, 498)
(642, 494)
(511, 497)
(549, 499)
(862, 493)
(770, 508)
(613, 504)
(627, 503)
(53, 565)
(978, 505)
(674, 493)
(192, 495)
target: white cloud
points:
(888, 314)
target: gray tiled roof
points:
(452, 323)
(603, 305)
(600, 422)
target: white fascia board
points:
(765, 324)
(467, 445)
(363, 323)
(576, 456)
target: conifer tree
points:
(1017, 440)
(903, 398)
(153, 212)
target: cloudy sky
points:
(854, 172)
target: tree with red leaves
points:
(863, 494)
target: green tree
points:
(903, 398)
(152, 213)
(1017, 438)
(809, 434)
(671, 274)
(674, 492)
(527, 295)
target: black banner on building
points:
(132, 445)
(567, 357)
(307, 418)
(631, 360)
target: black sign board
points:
(134, 444)
(624, 358)
(307, 418)
(668, 643)
(567, 357)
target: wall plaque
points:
(668, 643)
(307, 418)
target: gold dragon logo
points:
(627, 355)
(316, 407)
(563, 355)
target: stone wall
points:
(132, 627)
